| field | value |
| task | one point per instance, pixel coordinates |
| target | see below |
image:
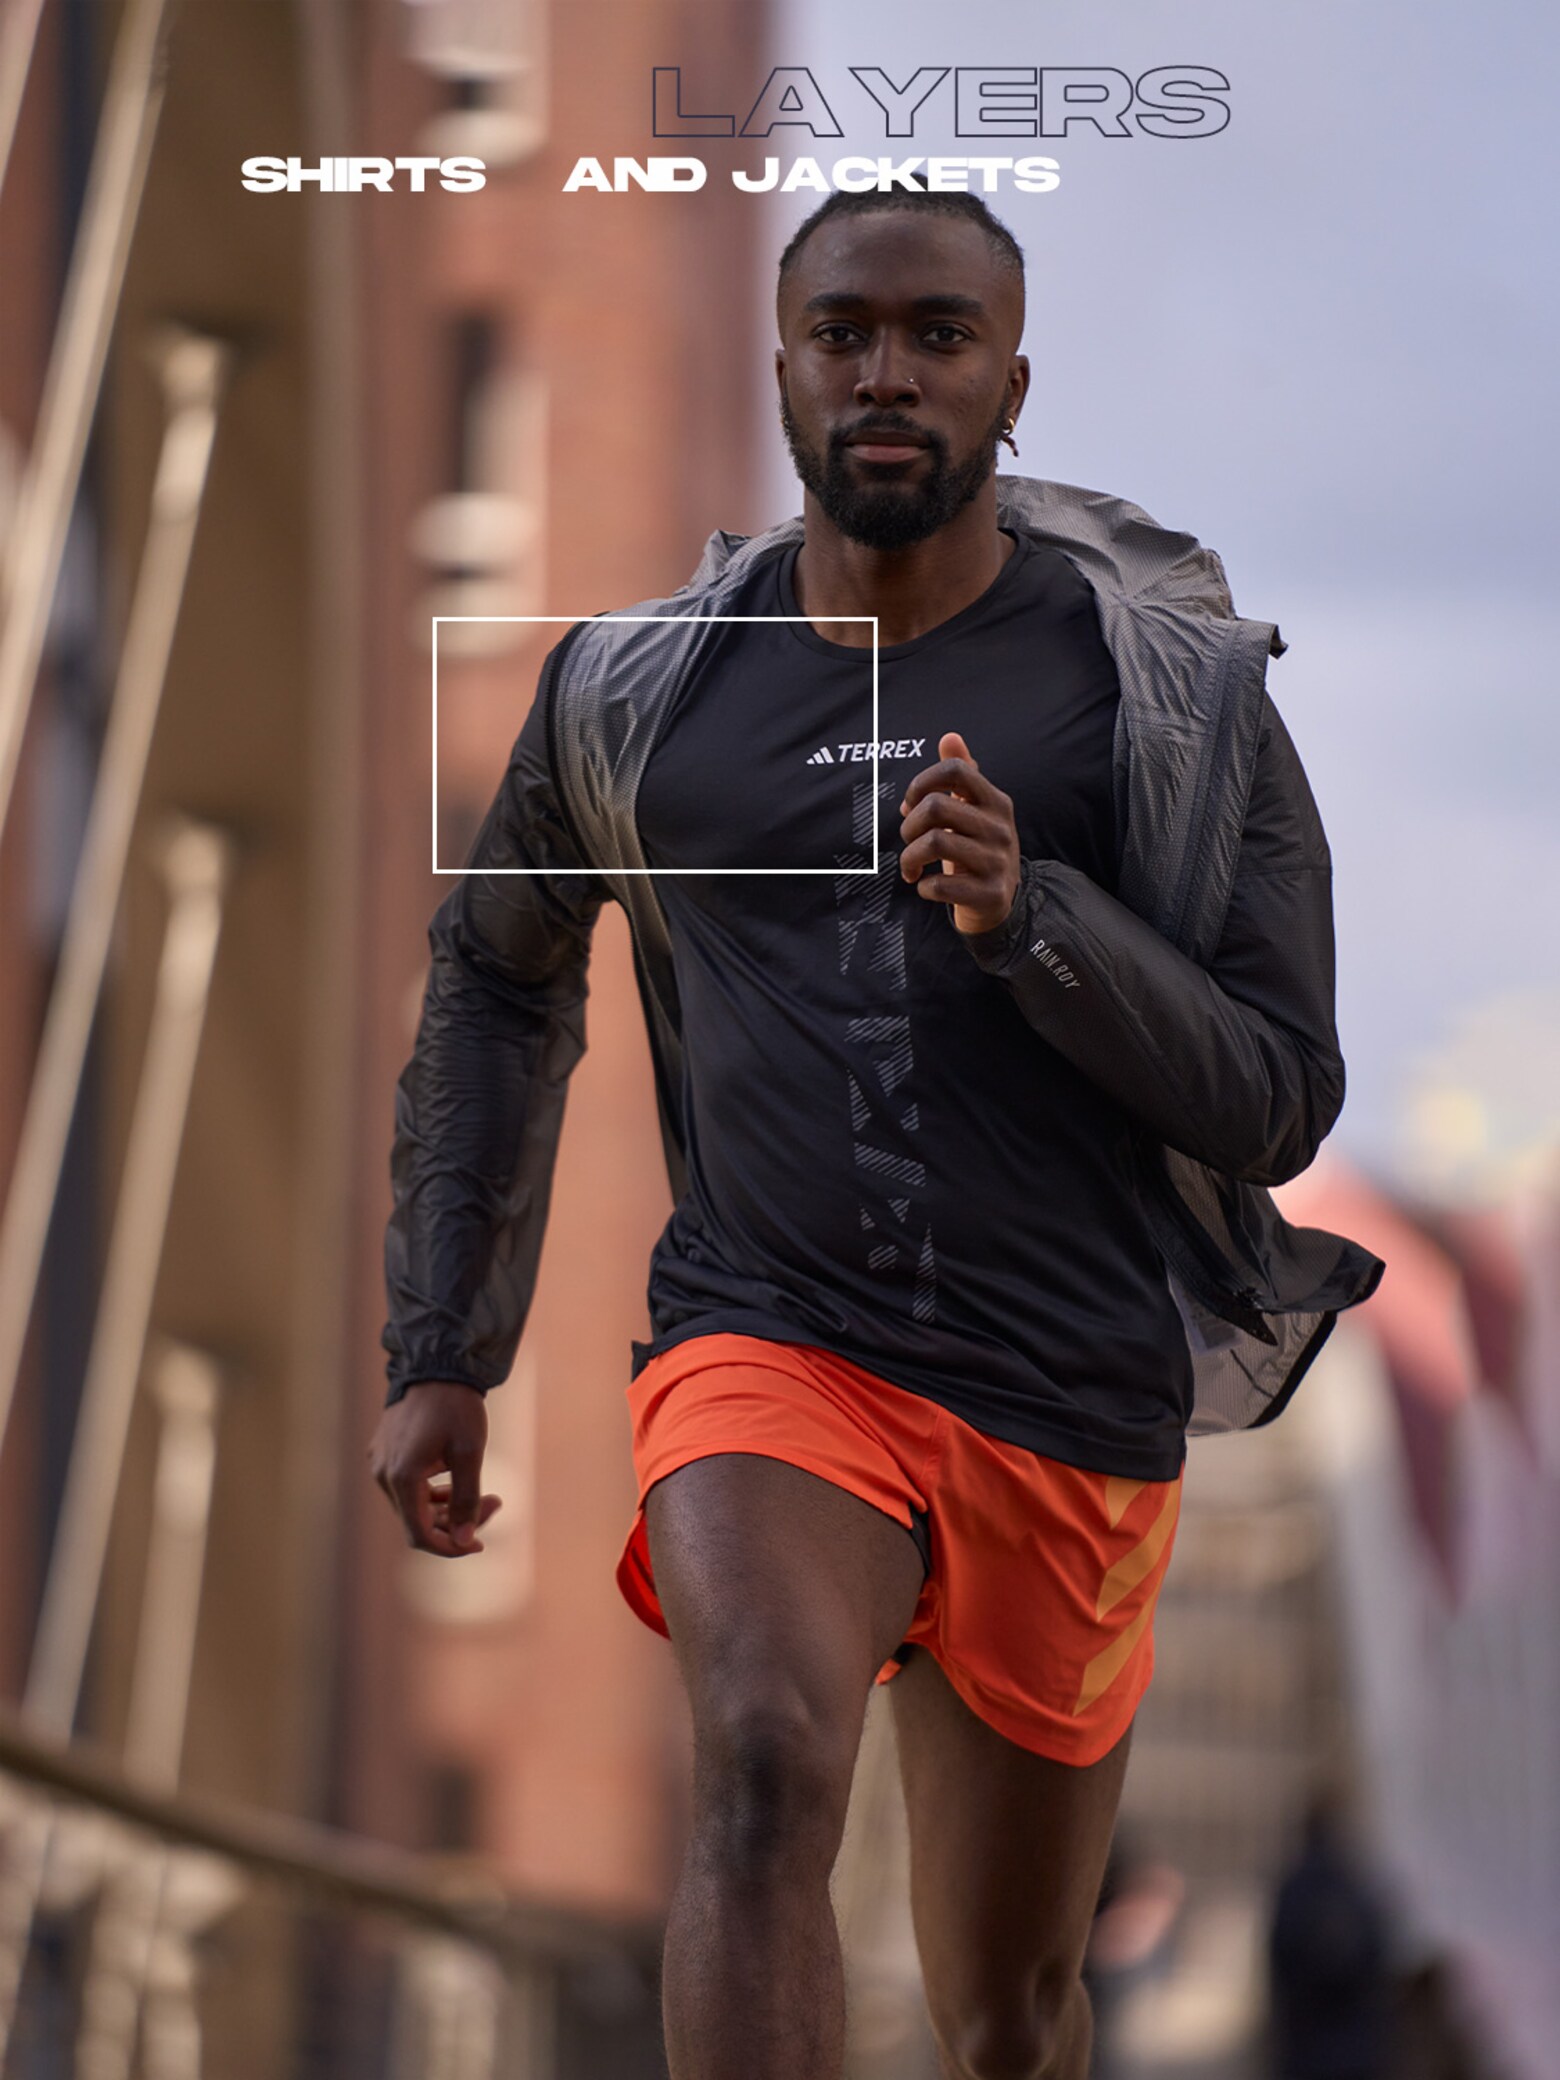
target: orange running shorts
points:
(1041, 1580)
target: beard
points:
(891, 516)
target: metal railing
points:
(475, 1971)
(195, 862)
(30, 567)
(193, 370)
(18, 36)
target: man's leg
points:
(783, 1595)
(1007, 1853)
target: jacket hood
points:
(1120, 549)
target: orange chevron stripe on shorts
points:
(1038, 1602)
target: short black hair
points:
(1005, 248)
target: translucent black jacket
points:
(1204, 997)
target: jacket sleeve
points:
(1236, 1064)
(479, 1105)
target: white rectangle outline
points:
(570, 620)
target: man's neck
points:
(910, 590)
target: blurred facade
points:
(492, 404)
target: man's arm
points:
(1236, 1064)
(478, 1111)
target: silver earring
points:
(1007, 435)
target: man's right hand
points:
(427, 1456)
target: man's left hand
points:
(953, 814)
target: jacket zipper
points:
(1193, 853)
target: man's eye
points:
(953, 333)
(824, 331)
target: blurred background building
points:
(436, 404)
(393, 1816)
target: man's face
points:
(898, 370)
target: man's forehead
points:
(919, 306)
(919, 262)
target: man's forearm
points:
(1214, 1077)
(478, 1110)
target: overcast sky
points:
(1326, 342)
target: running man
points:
(915, 1403)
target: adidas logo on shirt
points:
(847, 754)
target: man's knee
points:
(1046, 2037)
(771, 1778)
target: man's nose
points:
(886, 376)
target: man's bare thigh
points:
(762, 1566)
(1007, 1853)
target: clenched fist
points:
(954, 815)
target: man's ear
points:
(1019, 368)
(780, 371)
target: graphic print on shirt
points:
(892, 1204)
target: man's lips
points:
(886, 447)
